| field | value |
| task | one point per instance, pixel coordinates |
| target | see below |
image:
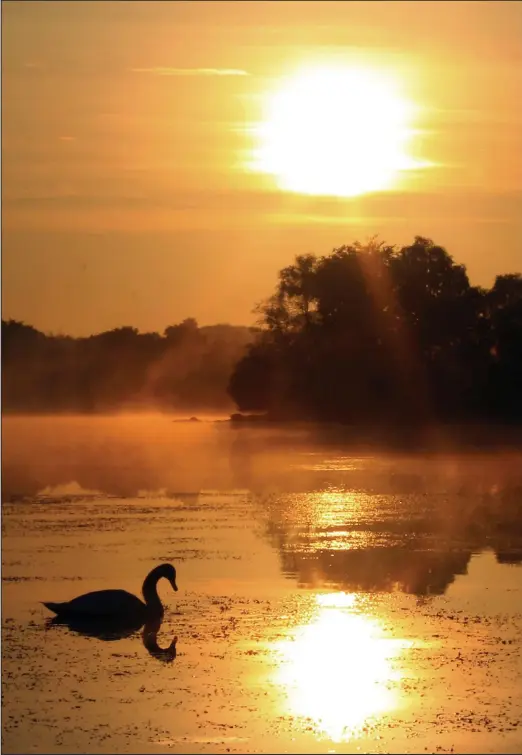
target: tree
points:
(375, 333)
(504, 310)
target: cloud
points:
(161, 71)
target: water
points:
(332, 598)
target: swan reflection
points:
(110, 630)
(338, 669)
(150, 640)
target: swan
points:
(116, 604)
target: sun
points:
(336, 131)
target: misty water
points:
(333, 597)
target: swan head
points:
(169, 572)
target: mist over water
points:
(331, 592)
(127, 453)
(131, 454)
(322, 503)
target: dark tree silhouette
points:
(187, 368)
(372, 333)
(368, 334)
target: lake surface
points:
(331, 599)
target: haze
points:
(127, 128)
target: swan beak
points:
(174, 586)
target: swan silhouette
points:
(118, 609)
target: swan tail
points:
(56, 608)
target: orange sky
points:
(126, 127)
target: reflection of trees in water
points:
(509, 556)
(355, 541)
(378, 569)
(442, 508)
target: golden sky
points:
(128, 135)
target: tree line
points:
(369, 333)
(186, 368)
(379, 334)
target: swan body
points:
(100, 603)
(116, 604)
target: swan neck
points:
(150, 593)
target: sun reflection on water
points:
(338, 669)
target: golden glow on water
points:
(337, 507)
(336, 600)
(338, 668)
(328, 515)
(338, 131)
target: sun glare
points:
(338, 669)
(340, 132)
